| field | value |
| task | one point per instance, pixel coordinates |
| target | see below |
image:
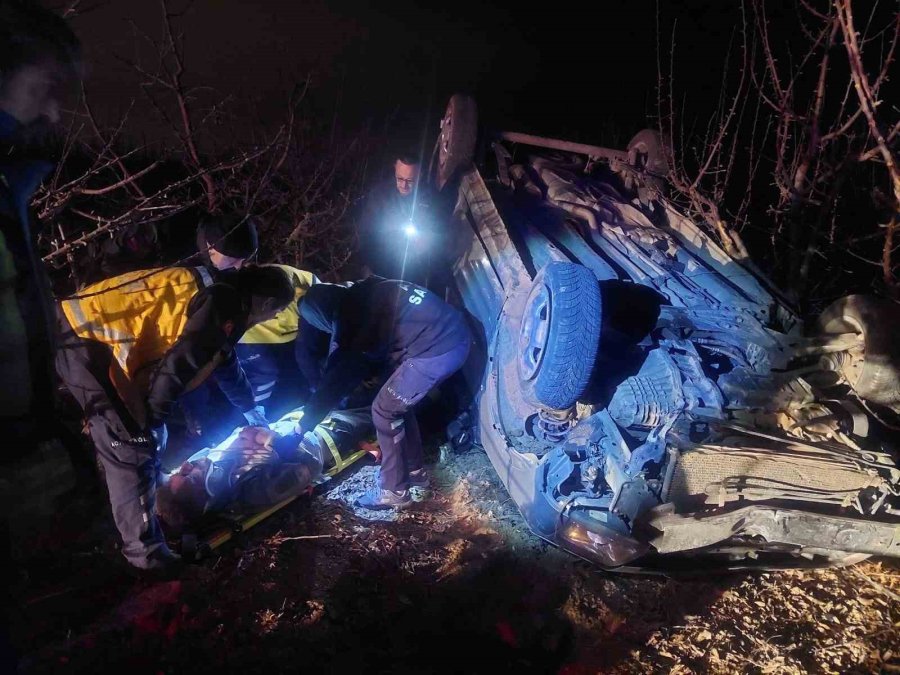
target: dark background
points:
(585, 72)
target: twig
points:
(281, 540)
(850, 642)
(874, 584)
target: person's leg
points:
(395, 424)
(131, 466)
(412, 454)
(126, 451)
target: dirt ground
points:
(457, 584)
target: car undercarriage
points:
(648, 400)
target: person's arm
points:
(270, 482)
(311, 352)
(234, 383)
(205, 342)
(345, 370)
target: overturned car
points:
(650, 402)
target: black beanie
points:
(230, 234)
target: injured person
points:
(255, 468)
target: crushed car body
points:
(649, 402)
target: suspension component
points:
(553, 425)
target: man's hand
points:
(254, 446)
(194, 427)
(256, 417)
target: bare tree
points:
(882, 138)
(300, 188)
(798, 140)
(702, 163)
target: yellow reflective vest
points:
(139, 314)
(284, 327)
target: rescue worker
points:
(266, 351)
(130, 347)
(266, 354)
(227, 241)
(349, 333)
(247, 473)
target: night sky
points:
(555, 71)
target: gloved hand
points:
(160, 436)
(256, 417)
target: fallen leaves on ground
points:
(324, 583)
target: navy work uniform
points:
(380, 325)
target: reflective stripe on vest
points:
(139, 315)
(284, 326)
(205, 277)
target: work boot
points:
(419, 479)
(379, 499)
(161, 565)
(419, 485)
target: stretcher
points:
(220, 528)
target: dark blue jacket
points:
(347, 333)
(26, 307)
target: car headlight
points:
(589, 538)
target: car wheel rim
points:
(535, 331)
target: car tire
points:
(559, 335)
(456, 141)
(875, 376)
(646, 151)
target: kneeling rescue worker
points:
(380, 325)
(130, 346)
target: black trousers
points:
(127, 452)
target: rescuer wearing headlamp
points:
(399, 237)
